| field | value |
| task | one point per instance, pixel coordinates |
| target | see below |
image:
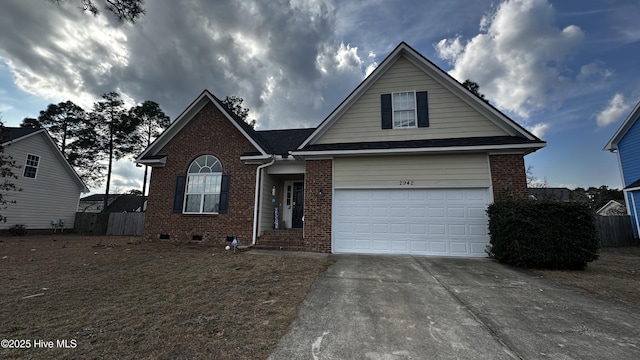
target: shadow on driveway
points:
(405, 307)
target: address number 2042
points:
(406, 182)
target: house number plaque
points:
(406, 182)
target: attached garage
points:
(444, 222)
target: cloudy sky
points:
(566, 70)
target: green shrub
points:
(538, 234)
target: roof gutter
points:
(529, 146)
(257, 198)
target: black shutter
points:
(423, 109)
(224, 195)
(387, 111)
(178, 197)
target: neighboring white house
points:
(613, 207)
(50, 187)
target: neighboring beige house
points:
(50, 187)
(406, 164)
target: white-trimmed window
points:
(404, 110)
(31, 166)
(204, 180)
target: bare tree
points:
(123, 10)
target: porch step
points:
(286, 239)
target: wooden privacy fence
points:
(615, 230)
(125, 223)
(109, 223)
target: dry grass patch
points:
(121, 299)
(616, 274)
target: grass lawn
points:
(616, 274)
(117, 298)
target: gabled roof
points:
(634, 185)
(557, 194)
(126, 203)
(282, 141)
(612, 145)
(439, 75)
(609, 205)
(19, 134)
(98, 197)
(150, 155)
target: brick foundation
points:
(209, 132)
(317, 208)
(508, 177)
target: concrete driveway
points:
(404, 307)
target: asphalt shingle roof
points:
(409, 144)
(18, 132)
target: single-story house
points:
(127, 203)
(406, 164)
(51, 188)
(626, 144)
(94, 203)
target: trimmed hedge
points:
(538, 234)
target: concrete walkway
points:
(403, 307)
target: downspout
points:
(257, 198)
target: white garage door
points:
(446, 222)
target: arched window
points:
(204, 180)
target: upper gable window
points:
(204, 180)
(404, 110)
(31, 166)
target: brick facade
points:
(508, 177)
(209, 132)
(317, 207)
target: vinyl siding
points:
(457, 170)
(629, 149)
(634, 198)
(51, 196)
(449, 117)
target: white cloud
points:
(593, 70)
(539, 129)
(517, 57)
(616, 108)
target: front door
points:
(298, 205)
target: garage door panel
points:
(459, 248)
(380, 245)
(455, 212)
(436, 195)
(436, 212)
(419, 246)
(438, 247)
(455, 195)
(447, 222)
(458, 230)
(477, 230)
(399, 246)
(478, 247)
(476, 213)
(417, 229)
